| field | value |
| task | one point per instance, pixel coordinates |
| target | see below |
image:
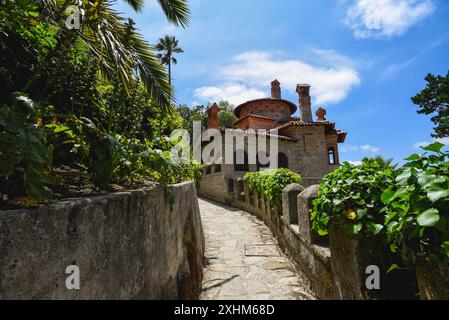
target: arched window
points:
(282, 161)
(331, 155)
(241, 167)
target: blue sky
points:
(365, 59)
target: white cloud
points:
(418, 145)
(369, 148)
(395, 68)
(386, 18)
(249, 75)
(232, 92)
(363, 148)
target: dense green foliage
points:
(226, 116)
(271, 183)
(353, 193)
(405, 208)
(434, 100)
(96, 99)
(417, 207)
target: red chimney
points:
(321, 114)
(276, 89)
(305, 104)
(213, 122)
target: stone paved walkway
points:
(244, 261)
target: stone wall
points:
(128, 245)
(334, 267)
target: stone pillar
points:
(305, 199)
(290, 203)
(247, 193)
(236, 190)
(305, 104)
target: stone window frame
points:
(331, 156)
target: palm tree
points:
(168, 46)
(121, 51)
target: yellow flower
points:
(350, 214)
(39, 122)
(54, 120)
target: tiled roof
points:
(252, 115)
(267, 134)
(304, 124)
(341, 136)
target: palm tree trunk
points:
(169, 73)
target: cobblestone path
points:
(244, 260)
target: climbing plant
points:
(271, 183)
(417, 207)
(352, 196)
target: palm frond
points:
(123, 53)
(176, 11)
(137, 5)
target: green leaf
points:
(426, 180)
(435, 147)
(357, 228)
(322, 232)
(393, 267)
(375, 228)
(413, 157)
(387, 195)
(428, 218)
(404, 176)
(393, 248)
(445, 246)
(391, 226)
(435, 193)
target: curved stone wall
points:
(128, 245)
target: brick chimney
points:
(213, 122)
(321, 114)
(305, 104)
(276, 89)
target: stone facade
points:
(307, 147)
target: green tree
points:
(105, 34)
(168, 46)
(190, 115)
(434, 100)
(226, 116)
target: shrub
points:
(352, 194)
(271, 183)
(417, 207)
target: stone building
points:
(306, 146)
